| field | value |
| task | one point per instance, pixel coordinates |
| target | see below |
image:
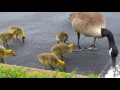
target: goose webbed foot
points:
(79, 49)
(92, 48)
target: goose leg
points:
(92, 47)
(94, 43)
(78, 46)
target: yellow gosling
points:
(63, 49)
(5, 53)
(16, 30)
(62, 37)
(49, 59)
(6, 37)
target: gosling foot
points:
(52, 67)
(63, 58)
(3, 61)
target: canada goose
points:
(5, 53)
(6, 37)
(62, 37)
(62, 49)
(18, 31)
(49, 59)
(93, 24)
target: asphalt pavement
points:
(40, 30)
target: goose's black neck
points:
(113, 50)
(110, 37)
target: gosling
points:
(62, 37)
(16, 30)
(63, 49)
(6, 37)
(49, 59)
(5, 53)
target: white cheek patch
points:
(110, 51)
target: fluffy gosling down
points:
(49, 59)
(5, 53)
(93, 24)
(63, 49)
(18, 31)
(62, 37)
(6, 37)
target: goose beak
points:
(114, 61)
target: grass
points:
(93, 76)
(13, 71)
(20, 72)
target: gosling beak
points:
(113, 61)
(14, 55)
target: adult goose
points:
(93, 24)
